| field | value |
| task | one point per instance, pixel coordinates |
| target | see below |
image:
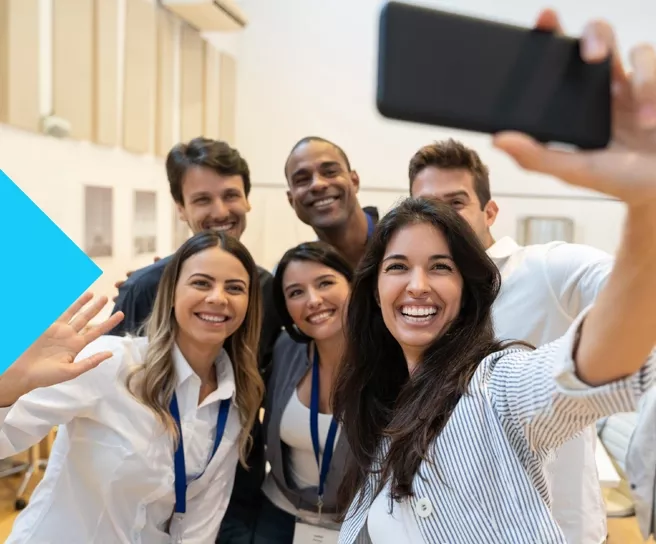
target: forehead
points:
(214, 262)
(418, 242)
(198, 179)
(438, 182)
(306, 272)
(311, 154)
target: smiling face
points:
(315, 296)
(213, 201)
(211, 299)
(419, 288)
(322, 190)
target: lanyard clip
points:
(320, 504)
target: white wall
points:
(308, 67)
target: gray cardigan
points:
(289, 364)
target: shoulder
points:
(563, 254)
(507, 357)
(287, 348)
(148, 277)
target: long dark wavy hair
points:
(374, 396)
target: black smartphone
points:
(473, 74)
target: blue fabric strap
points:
(179, 460)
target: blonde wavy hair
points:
(153, 383)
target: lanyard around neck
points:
(179, 460)
(324, 464)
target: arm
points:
(540, 398)
(31, 417)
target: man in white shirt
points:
(544, 287)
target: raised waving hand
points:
(51, 358)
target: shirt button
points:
(424, 508)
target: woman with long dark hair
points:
(150, 438)
(450, 430)
(305, 448)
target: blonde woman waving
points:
(149, 440)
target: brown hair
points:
(453, 155)
(213, 154)
(153, 383)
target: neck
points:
(488, 240)
(330, 351)
(201, 360)
(350, 239)
(412, 360)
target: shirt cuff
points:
(626, 391)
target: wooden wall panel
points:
(192, 83)
(72, 69)
(105, 104)
(139, 76)
(19, 63)
(228, 97)
(212, 92)
(164, 135)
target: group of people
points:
(420, 380)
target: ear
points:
(248, 205)
(181, 212)
(289, 198)
(491, 211)
(377, 297)
(355, 179)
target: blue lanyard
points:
(324, 466)
(180, 472)
(370, 226)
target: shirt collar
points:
(225, 375)
(502, 249)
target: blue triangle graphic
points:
(42, 273)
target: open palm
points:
(51, 358)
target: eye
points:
(236, 288)
(331, 172)
(201, 200)
(203, 284)
(293, 293)
(442, 266)
(326, 283)
(457, 204)
(395, 266)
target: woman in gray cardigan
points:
(304, 445)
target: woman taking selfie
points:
(450, 430)
(304, 447)
(149, 440)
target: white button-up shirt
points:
(544, 288)
(110, 475)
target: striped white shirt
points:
(484, 478)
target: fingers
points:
(82, 319)
(531, 155)
(80, 367)
(103, 328)
(75, 307)
(643, 83)
(597, 43)
(548, 20)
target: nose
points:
(219, 209)
(314, 299)
(319, 183)
(418, 285)
(217, 296)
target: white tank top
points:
(295, 433)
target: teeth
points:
(222, 228)
(321, 317)
(213, 318)
(324, 202)
(419, 311)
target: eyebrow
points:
(211, 278)
(322, 277)
(456, 193)
(323, 164)
(400, 257)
